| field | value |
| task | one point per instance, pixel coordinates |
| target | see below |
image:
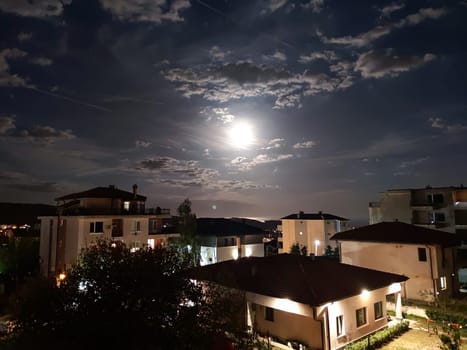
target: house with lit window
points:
(310, 230)
(101, 212)
(424, 255)
(316, 302)
(223, 239)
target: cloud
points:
(306, 144)
(326, 55)
(381, 30)
(279, 56)
(28, 8)
(147, 10)
(386, 11)
(142, 144)
(410, 163)
(316, 6)
(188, 173)
(6, 78)
(232, 81)
(6, 124)
(220, 114)
(41, 134)
(274, 5)
(41, 187)
(243, 164)
(41, 61)
(440, 123)
(217, 54)
(274, 144)
(23, 36)
(377, 64)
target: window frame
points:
(443, 283)
(364, 311)
(422, 257)
(340, 325)
(378, 306)
(269, 314)
(94, 229)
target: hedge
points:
(380, 338)
(449, 317)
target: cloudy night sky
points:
(256, 108)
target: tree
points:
(297, 250)
(116, 299)
(186, 225)
(331, 253)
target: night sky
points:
(256, 108)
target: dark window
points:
(378, 310)
(438, 198)
(269, 314)
(96, 227)
(232, 241)
(361, 316)
(340, 325)
(440, 217)
(421, 254)
(226, 242)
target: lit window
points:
(361, 316)
(340, 325)
(443, 283)
(421, 254)
(126, 205)
(378, 310)
(96, 227)
(269, 314)
(135, 246)
(151, 243)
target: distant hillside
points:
(24, 213)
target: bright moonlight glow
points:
(241, 135)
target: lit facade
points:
(312, 231)
(99, 213)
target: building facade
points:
(424, 255)
(102, 212)
(311, 230)
(223, 239)
(440, 208)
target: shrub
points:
(380, 338)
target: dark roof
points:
(225, 227)
(398, 232)
(103, 192)
(299, 278)
(24, 213)
(313, 216)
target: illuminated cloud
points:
(306, 144)
(440, 123)
(27, 8)
(147, 10)
(377, 64)
(6, 77)
(381, 30)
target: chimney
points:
(135, 190)
(300, 214)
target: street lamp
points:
(316, 247)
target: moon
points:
(241, 135)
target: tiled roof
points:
(296, 277)
(225, 227)
(313, 216)
(398, 232)
(103, 192)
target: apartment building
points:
(101, 212)
(311, 230)
(441, 208)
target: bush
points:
(449, 317)
(380, 338)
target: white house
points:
(223, 239)
(426, 256)
(317, 302)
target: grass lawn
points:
(416, 339)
